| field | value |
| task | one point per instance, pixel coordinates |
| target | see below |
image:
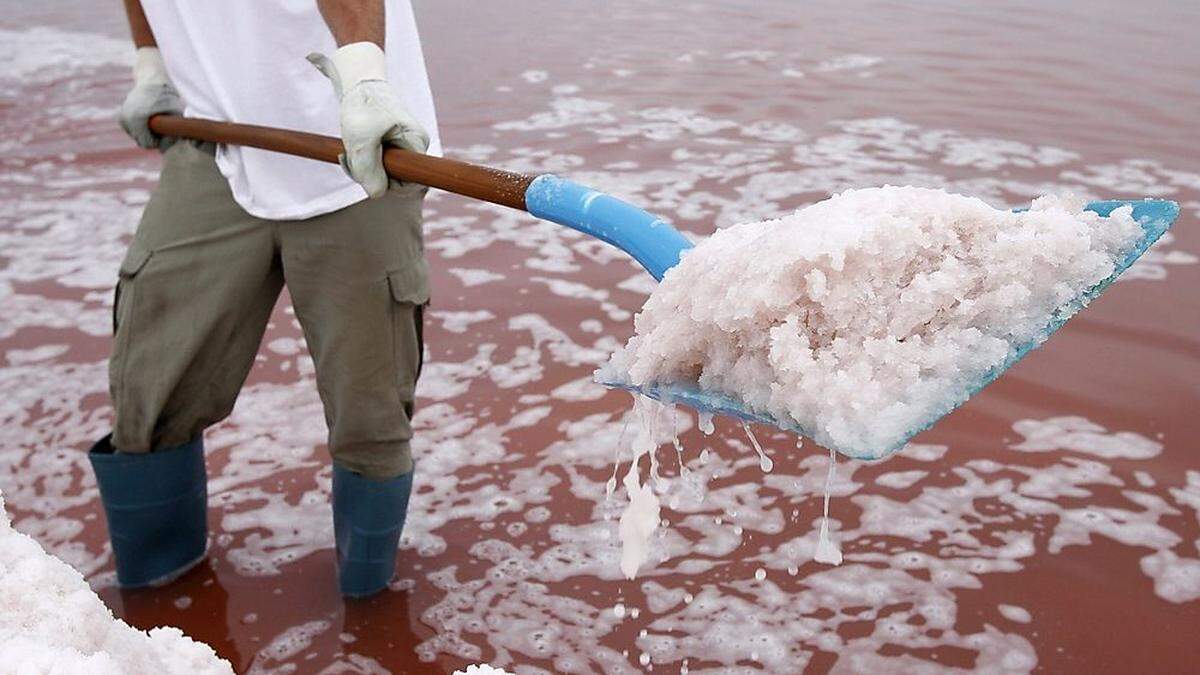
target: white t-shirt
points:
(244, 61)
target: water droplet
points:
(764, 462)
(760, 574)
(619, 610)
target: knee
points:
(377, 460)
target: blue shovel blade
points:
(1154, 216)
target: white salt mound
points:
(866, 317)
(52, 622)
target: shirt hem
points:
(331, 202)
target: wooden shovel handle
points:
(470, 180)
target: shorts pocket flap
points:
(135, 260)
(411, 283)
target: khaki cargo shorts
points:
(200, 280)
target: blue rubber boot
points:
(368, 516)
(156, 504)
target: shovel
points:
(650, 240)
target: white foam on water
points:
(898, 480)
(286, 645)
(1015, 613)
(535, 76)
(848, 62)
(475, 277)
(43, 54)
(460, 322)
(481, 669)
(1176, 578)
(1079, 434)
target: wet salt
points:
(641, 516)
(867, 316)
(828, 551)
(679, 455)
(764, 462)
(858, 319)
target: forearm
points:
(139, 27)
(352, 20)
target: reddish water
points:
(1052, 523)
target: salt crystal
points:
(865, 317)
(859, 319)
(52, 622)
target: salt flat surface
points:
(865, 317)
(52, 622)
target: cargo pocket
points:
(124, 301)
(410, 293)
(135, 259)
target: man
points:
(227, 227)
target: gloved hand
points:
(372, 113)
(152, 94)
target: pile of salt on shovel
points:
(861, 320)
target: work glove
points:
(152, 94)
(372, 113)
